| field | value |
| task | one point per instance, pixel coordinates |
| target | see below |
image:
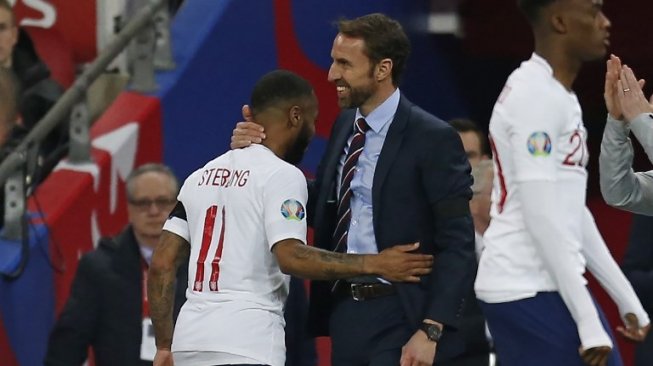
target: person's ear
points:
(295, 116)
(559, 23)
(383, 69)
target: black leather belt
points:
(365, 291)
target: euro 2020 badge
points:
(539, 144)
(292, 209)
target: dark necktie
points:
(348, 169)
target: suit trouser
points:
(538, 331)
(370, 332)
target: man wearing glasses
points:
(108, 308)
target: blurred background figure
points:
(108, 308)
(36, 91)
(638, 267)
(8, 109)
(477, 339)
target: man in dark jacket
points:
(638, 267)
(107, 309)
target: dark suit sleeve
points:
(638, 261)
(312, 198)
(74, 332)
(447, 182)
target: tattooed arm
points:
(171, 252)
(394, 264)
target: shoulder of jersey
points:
(530, 81)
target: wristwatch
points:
(433, 331)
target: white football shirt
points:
(237, 207)
(537, 134)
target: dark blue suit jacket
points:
(421, 191)
(638, 267)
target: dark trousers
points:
(368, 333)
(538, 331)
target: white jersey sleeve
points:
(284, 200)
(542, 221)
(606, 270)
(533, 137)
(177, 222)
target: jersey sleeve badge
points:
(291, 209)
(539, 144)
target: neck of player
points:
(565, 67)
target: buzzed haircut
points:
(8, 97)
(467, 125)
(384, 38)
(532, 8)
(279, 86)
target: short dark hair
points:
(8, 96)
(4, 4)
(467, 125)
(384, 38)
(532, 8)
(279, 86)
(150, 168)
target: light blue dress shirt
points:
(360, 238)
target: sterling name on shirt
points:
(222, 177)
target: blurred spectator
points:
(108, 309)
(37, 92)
(638, 267)
(8, 109)
(472, 325)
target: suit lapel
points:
(389, 152)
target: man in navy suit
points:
(392, 173)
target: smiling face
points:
(352, 71)
(588, 29)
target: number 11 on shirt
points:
(207, 238)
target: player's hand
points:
(247, 132)
(633, 331)
(398, 264)
(631, 98)
(163, 357)
(612, 73)
(419, 351)
(596, 356)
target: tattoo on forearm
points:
(324, 264)
(161, 297)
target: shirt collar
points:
(383, 114)
(542, 62)
(146, 253)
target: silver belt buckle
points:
(355, 294)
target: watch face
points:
(432, 331)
